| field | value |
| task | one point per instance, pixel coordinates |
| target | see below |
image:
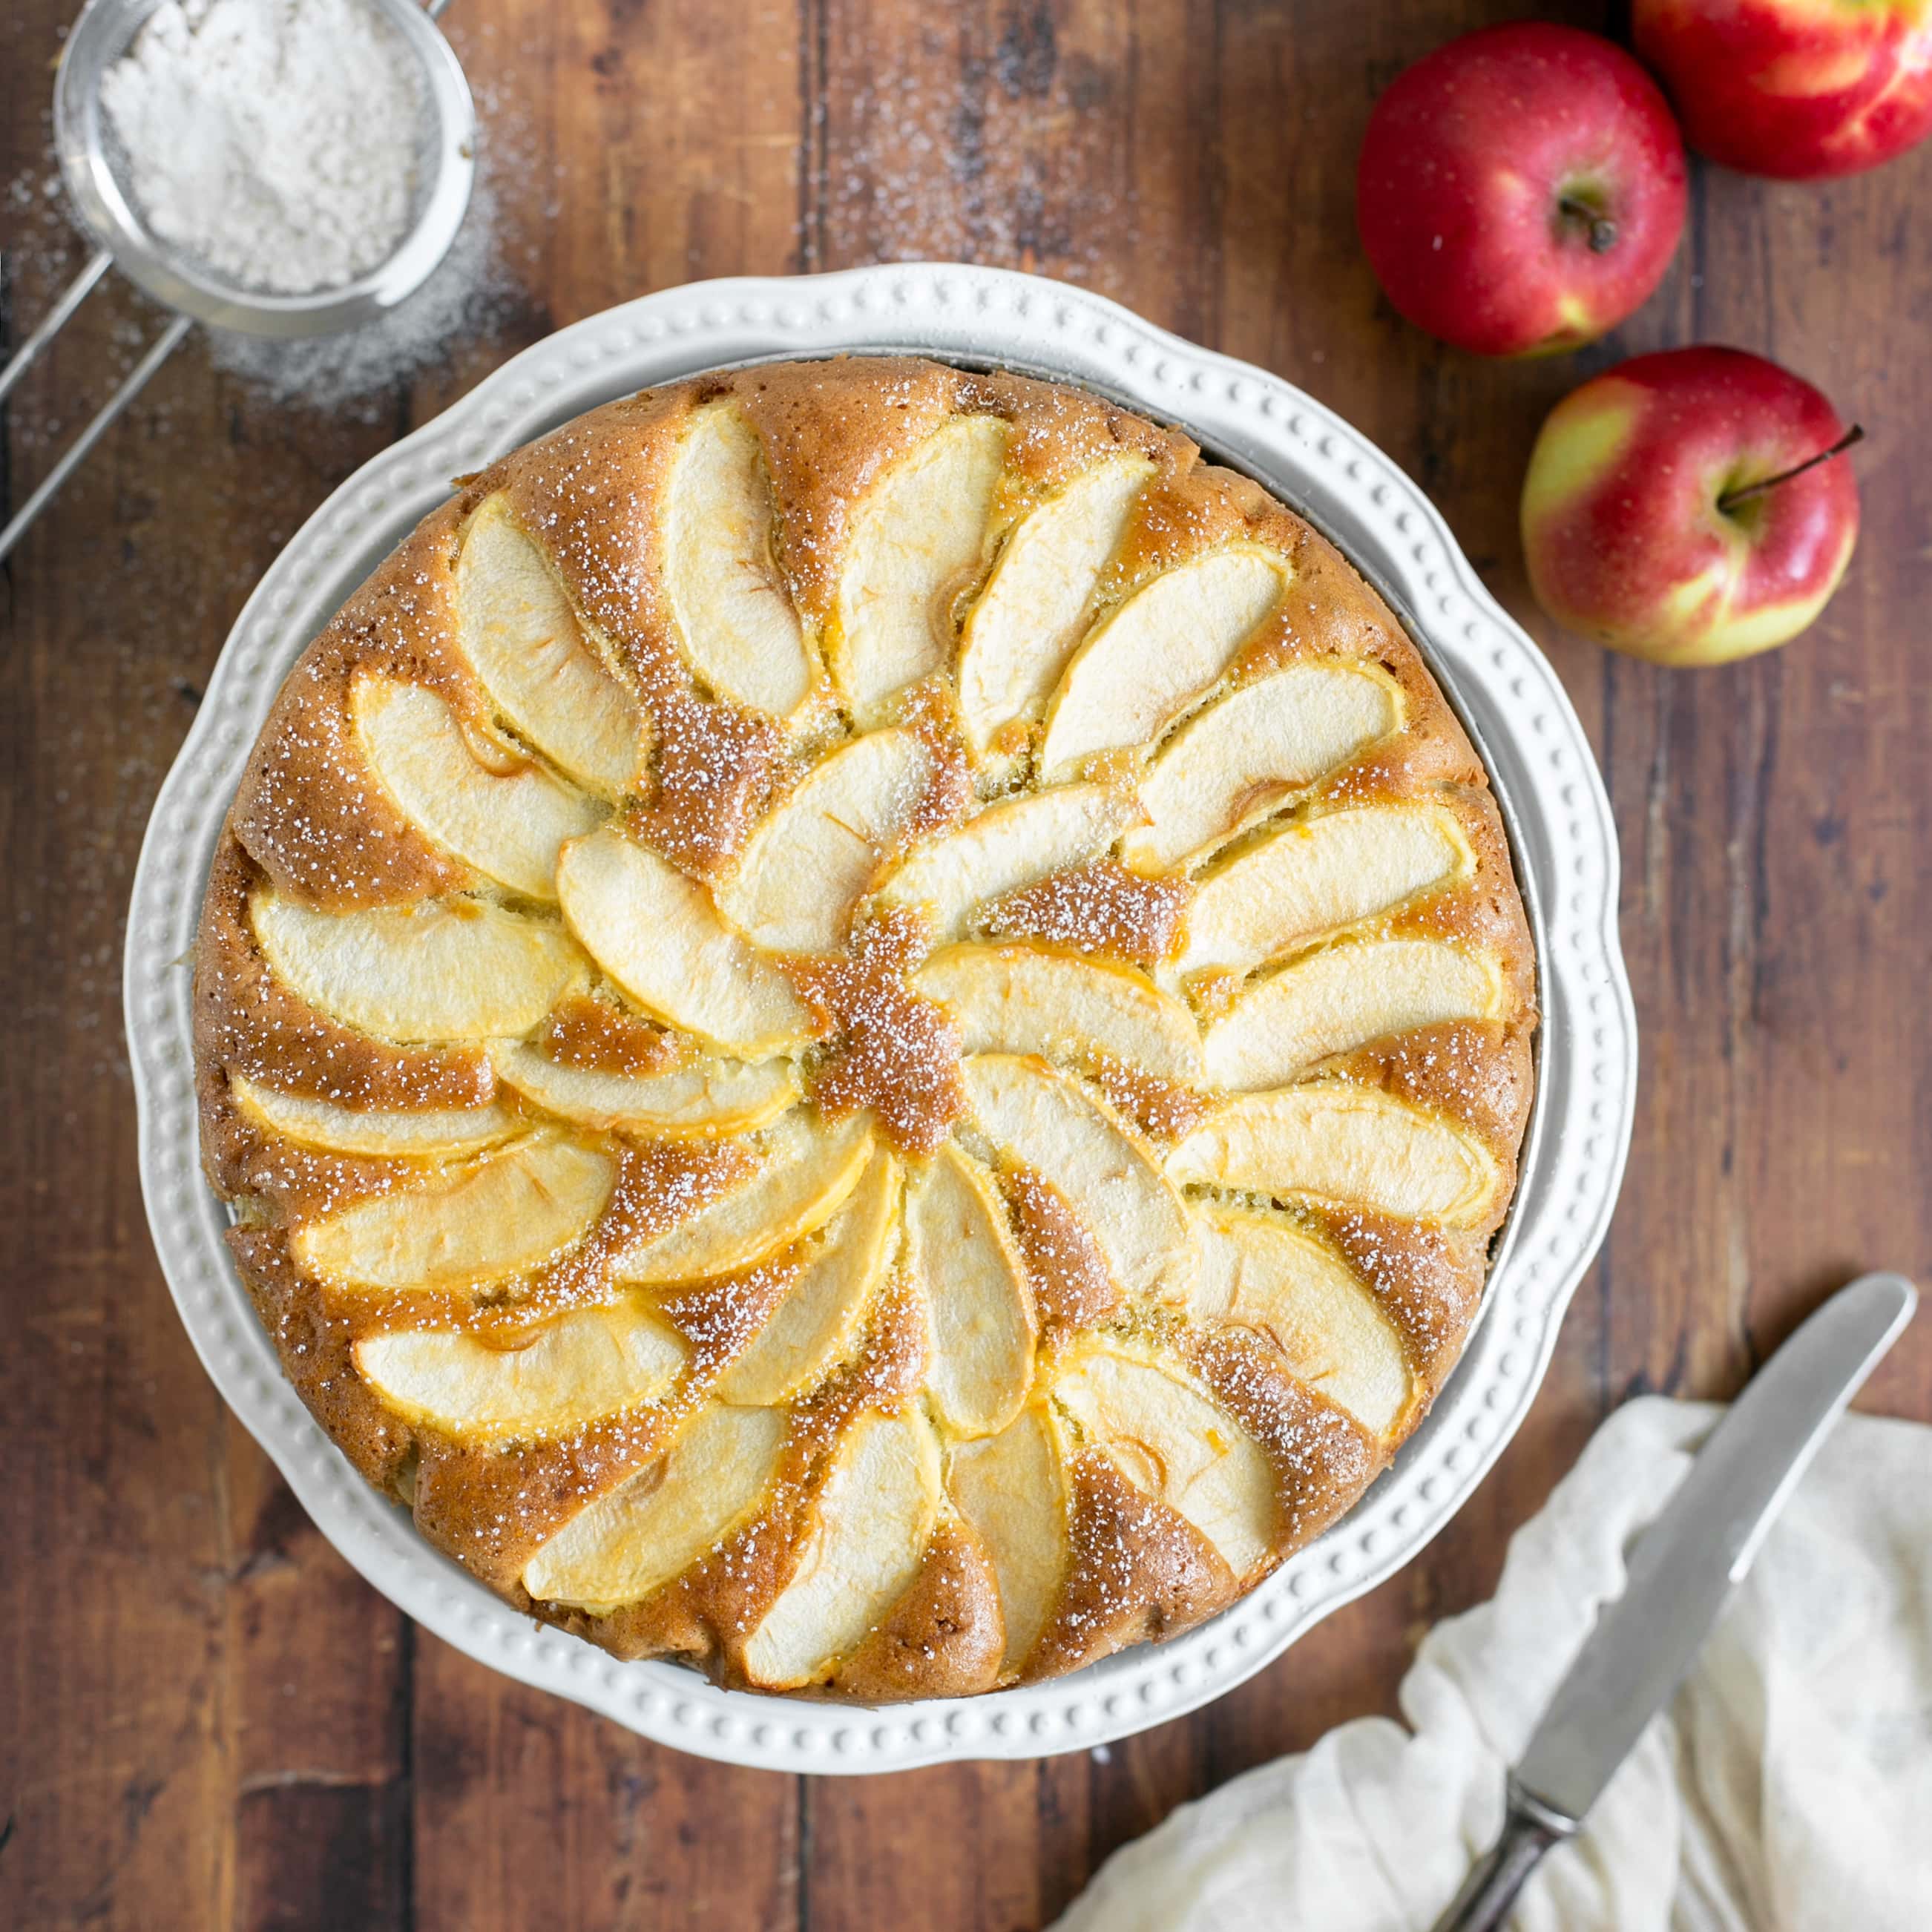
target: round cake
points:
(865, 1026)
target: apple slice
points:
(658, 934)
(655, 1525)
(1317, 875)
(1343, 997)
(508, 828)
(1260, 1273)
(1356, 1146)
(1242, 757)
(454, 969)
(741, 635)
(978, 1303)
(497, 1215)
(592, 1363)
(917, 537)
(318, 1124)
(1050, 1123)
(1025, 626)
(1174, 1442)
(1019, 998)
(1011, 1488)
(1008, 845)
(802, 1180)
(523, 640)
(710, 1096)
(871, 1521)
(1144, 665)
(816, 1325)
(808, 865)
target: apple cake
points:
(865, 1026)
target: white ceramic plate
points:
(1566, 856)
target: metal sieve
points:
(195, 293)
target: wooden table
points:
(205, 1719)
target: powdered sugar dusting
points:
(1102, 909)
(889, 1049)
(467, 295)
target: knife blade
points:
(1680, 1573)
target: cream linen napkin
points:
(1790, 1786)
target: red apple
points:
(1801, 89)
(1689, 507)
(1521, 190)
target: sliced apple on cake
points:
(806, 1170)
(816, 1325)
(499, 1214)
(659, 935)
(1150, 660)
(917, 538)
(1017, 998)
(1343, 996)
(1351, 1144)
(973, 1283)
(1012, 1488)
(865, 1538)
(1243, 756)
(1052, 1125)
(1021, 632)
(508, 823)
(575, 1368)
(808, 865)
(444, 1132)
(1174, 1442)
(1260, 1272)
(444, 969)
(703, 1095)
(1310, 877)
(734, 617)
(524, 640)
(654, 1526)
(1016, 842)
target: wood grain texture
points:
(205, 1719)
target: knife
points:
(1680, 1573)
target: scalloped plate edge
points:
(1565, 848)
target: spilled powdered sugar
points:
(464, 296)
(472, 294)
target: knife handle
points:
(1529, 1829)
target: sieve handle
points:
(76, 293)
(164, 346)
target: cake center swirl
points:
(886, 1047)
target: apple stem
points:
(1731, 498)
(1603, 231)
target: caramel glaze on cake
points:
(904, 1247)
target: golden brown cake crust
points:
(335, 1098)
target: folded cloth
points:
(1789, 1785)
